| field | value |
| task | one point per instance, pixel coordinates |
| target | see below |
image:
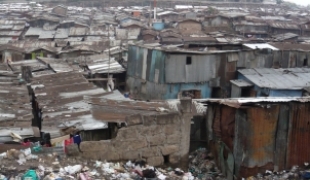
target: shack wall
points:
(148, 137)
(272, 136)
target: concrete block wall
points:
(154, 138)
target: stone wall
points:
(154, 138)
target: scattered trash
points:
(202, 165)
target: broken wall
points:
(158, 139)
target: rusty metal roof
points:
(30, 44)
(285, 36)
(291, 46)
(15, 106)
(62, 101)
(34, 64)
(80, 31)
(284, 25)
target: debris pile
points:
(50, 166)
(203, 166)
(295, 172)
(23, 164)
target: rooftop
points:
(281, 79)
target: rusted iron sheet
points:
(298, 150)
(256, 138)
(281, 137)
(224, 125)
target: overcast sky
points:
(300, 2)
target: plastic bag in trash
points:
(30, 175)
(73, 169)
(2, 177)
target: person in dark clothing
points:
(77, 140)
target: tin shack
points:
(252, 135)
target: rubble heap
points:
(18, 164)
(203, 166)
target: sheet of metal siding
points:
(160, 64)
(139, 61)
(284, 61)
(259, 140)
(292, 59)
(144, 64)
(241, 126)
(131, 64)
(301, 56)
(241, 61)
(299, 134)
(268, 61)
(149, 63)
(281, 138)
(210, 118)
(277, 57)
(235, 91)
(202, 68)
(258, 62)
(152, 66)
(155, 90)
(228, 125)
(245, 59)
(175, 68)
(261, 137)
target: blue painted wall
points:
(273, 92)
(158, 26)
(285, 93)
(161, 90)
(174, 89)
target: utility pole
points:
(109, 50)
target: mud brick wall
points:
(154, 138)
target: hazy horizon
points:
(300, 2)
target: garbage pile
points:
(295, 172)
(202, 165)
(27, 163)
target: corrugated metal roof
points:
(15, 106)
(62, 33)
(33, 44)
(167, 13)
(285, 36)
(47, 34)
(284, 25)
(35, 65)
(62, 101)
(34, 31)
(241, 83)
(237, 102)
(18, 27)
(11, 33)
(292, 78)
(97, 31)
(78, 31)
(260, 46)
